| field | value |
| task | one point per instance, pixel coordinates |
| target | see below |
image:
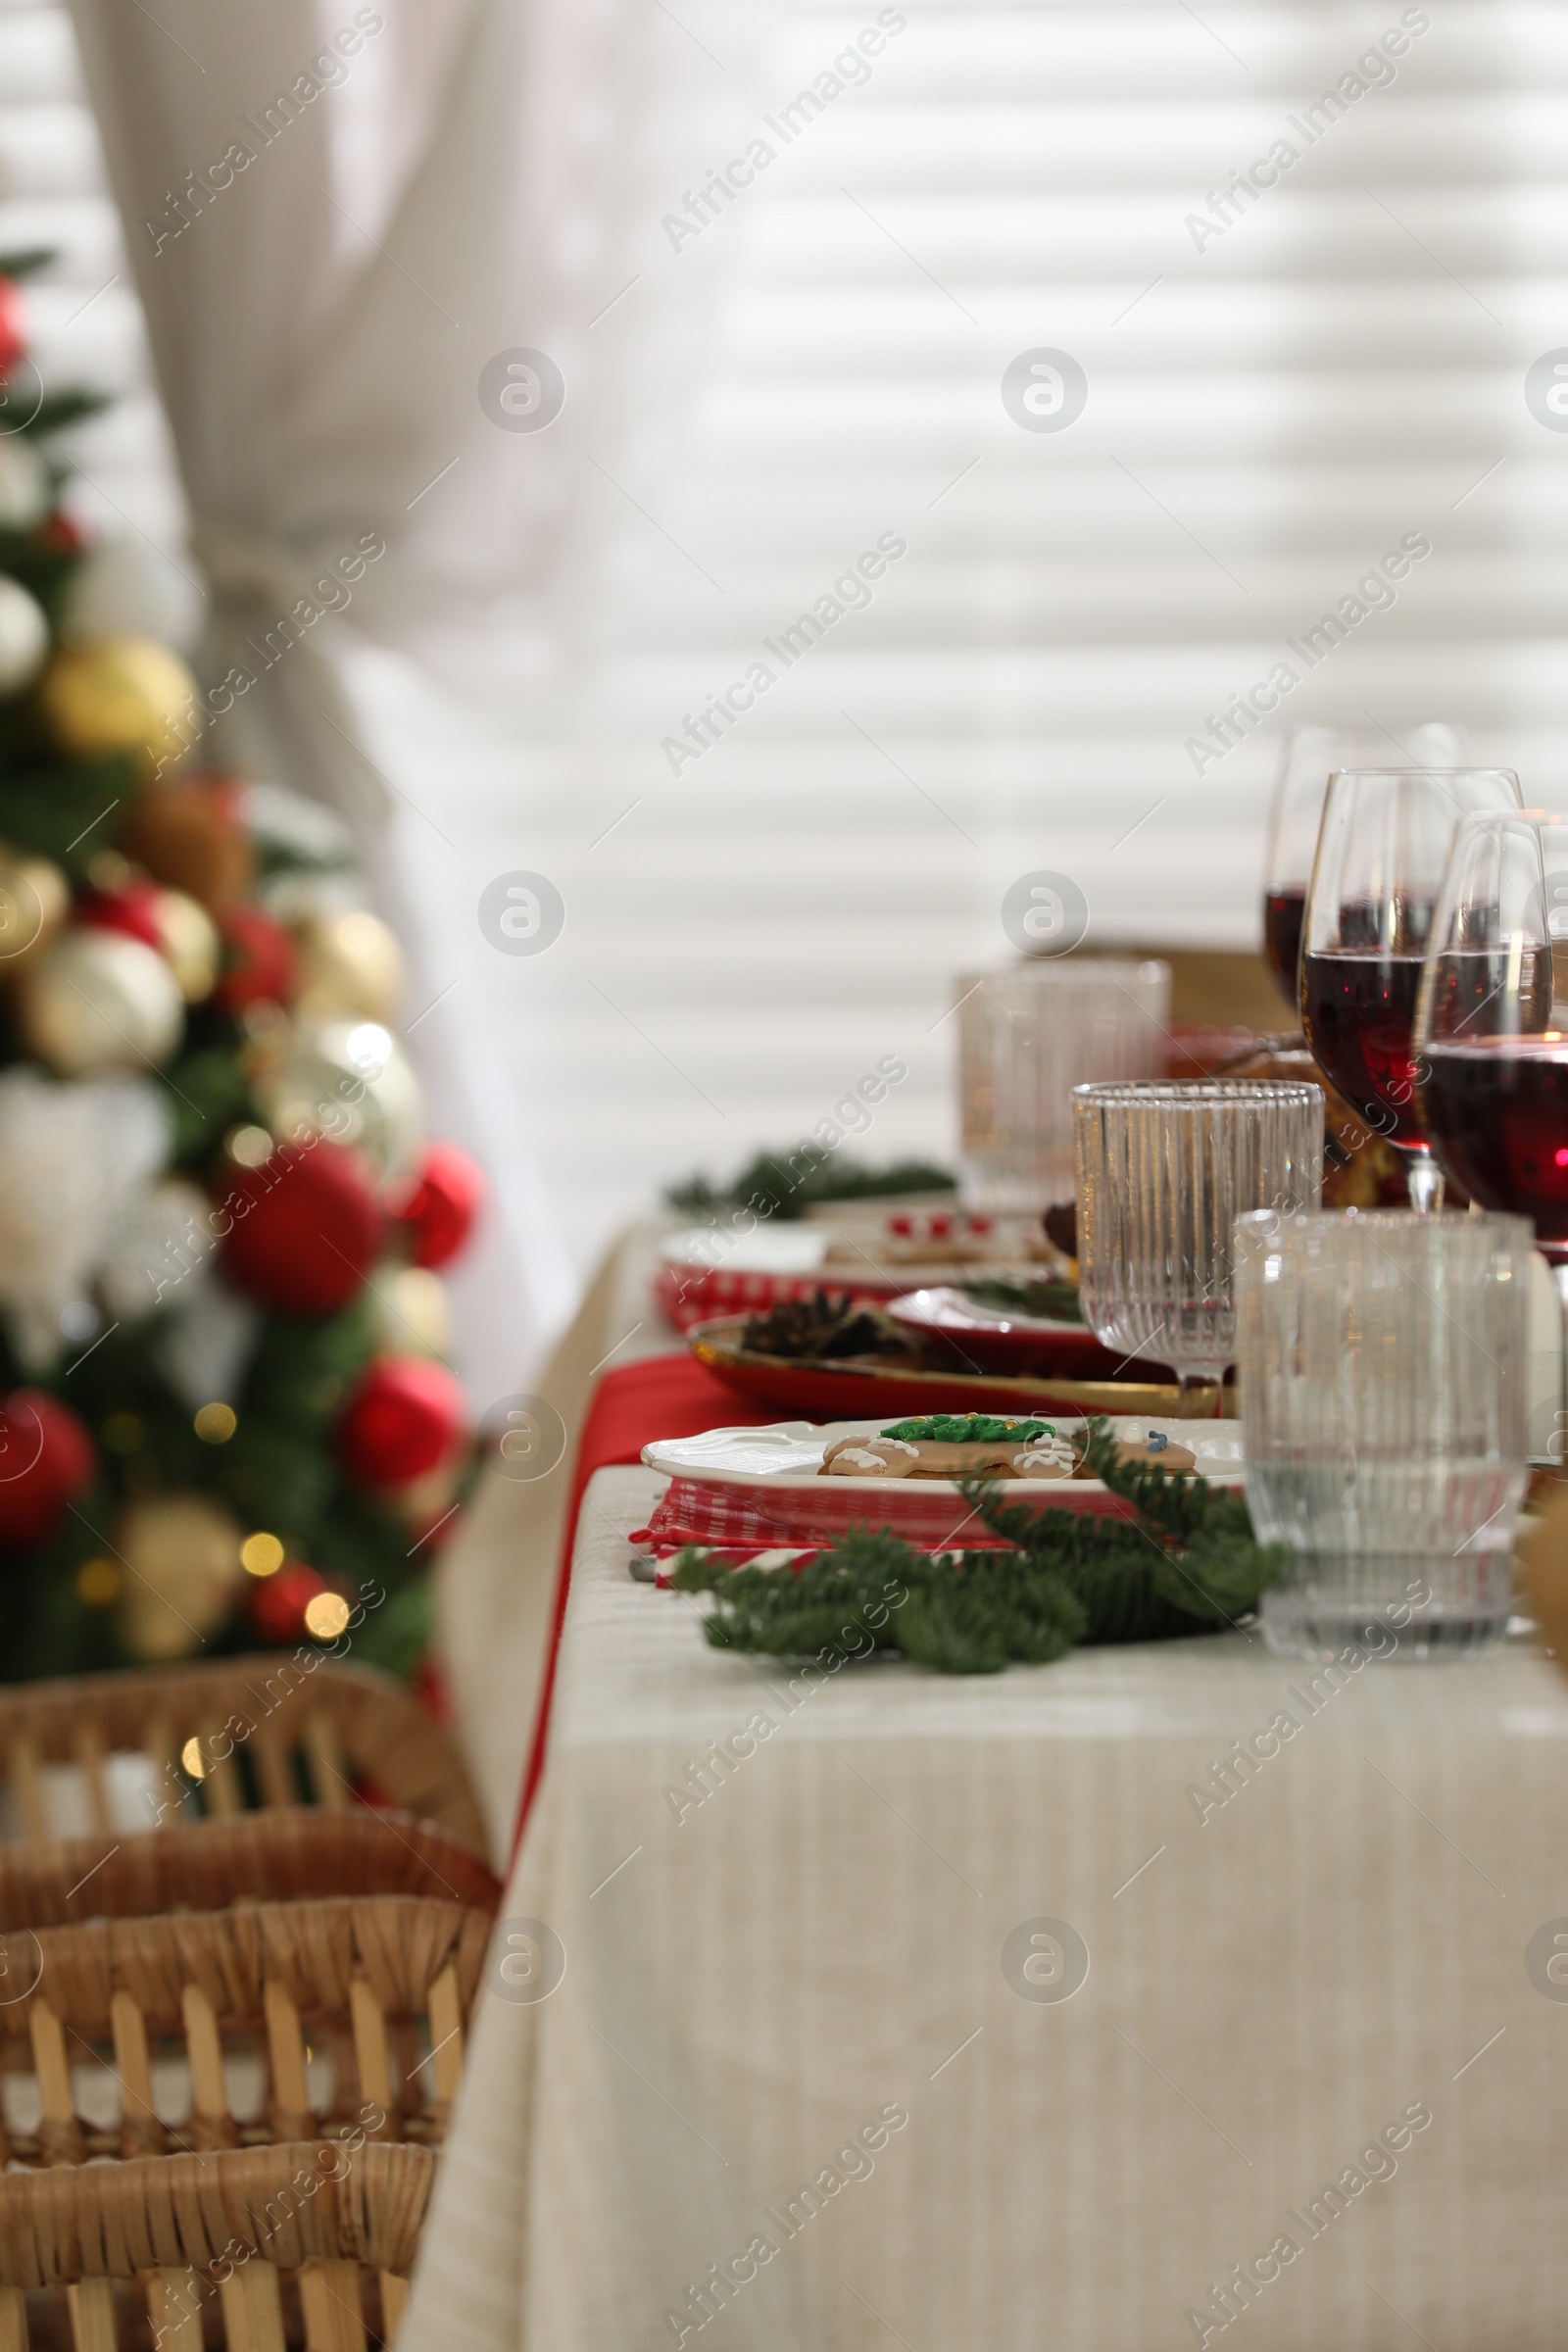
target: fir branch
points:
(58, 410)
(27, 260)
(785, 1184)
(1185, 1563)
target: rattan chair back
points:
(282, 1857)
(259, 2248)
(265, 2022)
(288, 1729)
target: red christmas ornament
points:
(131, 909)
(437, 1211)
(407, 1415)
(302, 1231)
(258, 959)
(279, 1602)
(46, 1459)
(13, 325)
(59, 533)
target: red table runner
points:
(662, 1397)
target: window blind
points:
(1293, 365)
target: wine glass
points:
(1491, 1021)
(1382, 848)
(1308, 756)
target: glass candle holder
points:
(1027, 1037)
(1164, 1172)
(1383, 1362)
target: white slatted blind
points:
(1267, 416)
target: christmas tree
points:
(226, 1420)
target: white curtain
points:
(420, 189)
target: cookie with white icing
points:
(1047, 1457)
(870, 1457)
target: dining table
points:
(840, 2005)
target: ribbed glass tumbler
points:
(1164, 1172)
(1383, 1361)
(1026, 1038)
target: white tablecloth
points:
(759, 1986)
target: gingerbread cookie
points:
(1048, 1458)
(954, 1445)
(870, 1457)
(1157, 1451)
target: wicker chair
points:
(262, 1857)
(308, 2015)
(243, 1733)
(274, 2240)
(315, 2031)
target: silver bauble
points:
(99, 1000)
(350, 1081)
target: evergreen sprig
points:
(1185, 1563)
(783, 1185)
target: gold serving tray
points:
(833, 1389)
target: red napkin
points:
(662, 1397)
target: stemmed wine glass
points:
(1491, 1021)
(1380, 853)
(1309, 757)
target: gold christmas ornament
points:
(191, 944)
(124, 694)
(350, 962)
(349, 1081)
(411, 1312)
(98, 1000)
(181, 1553)
(34, 900)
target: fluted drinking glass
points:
(1164, 1172)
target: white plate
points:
(796, 1249)
(790, 1451)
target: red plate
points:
(1003, 1339)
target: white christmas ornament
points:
(158, 1256)
(23, 484)
(23, 634)
(98, 1000)
(127, 588)
(207, 1347)
(73, 1158)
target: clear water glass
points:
(1383, 1364)
(1164, 1172)
(1027, 1036)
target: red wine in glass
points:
(1497, 1113)
(1383, 846)
(1283, 911)
(1358, 1009)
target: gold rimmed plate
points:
(865, 1388)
